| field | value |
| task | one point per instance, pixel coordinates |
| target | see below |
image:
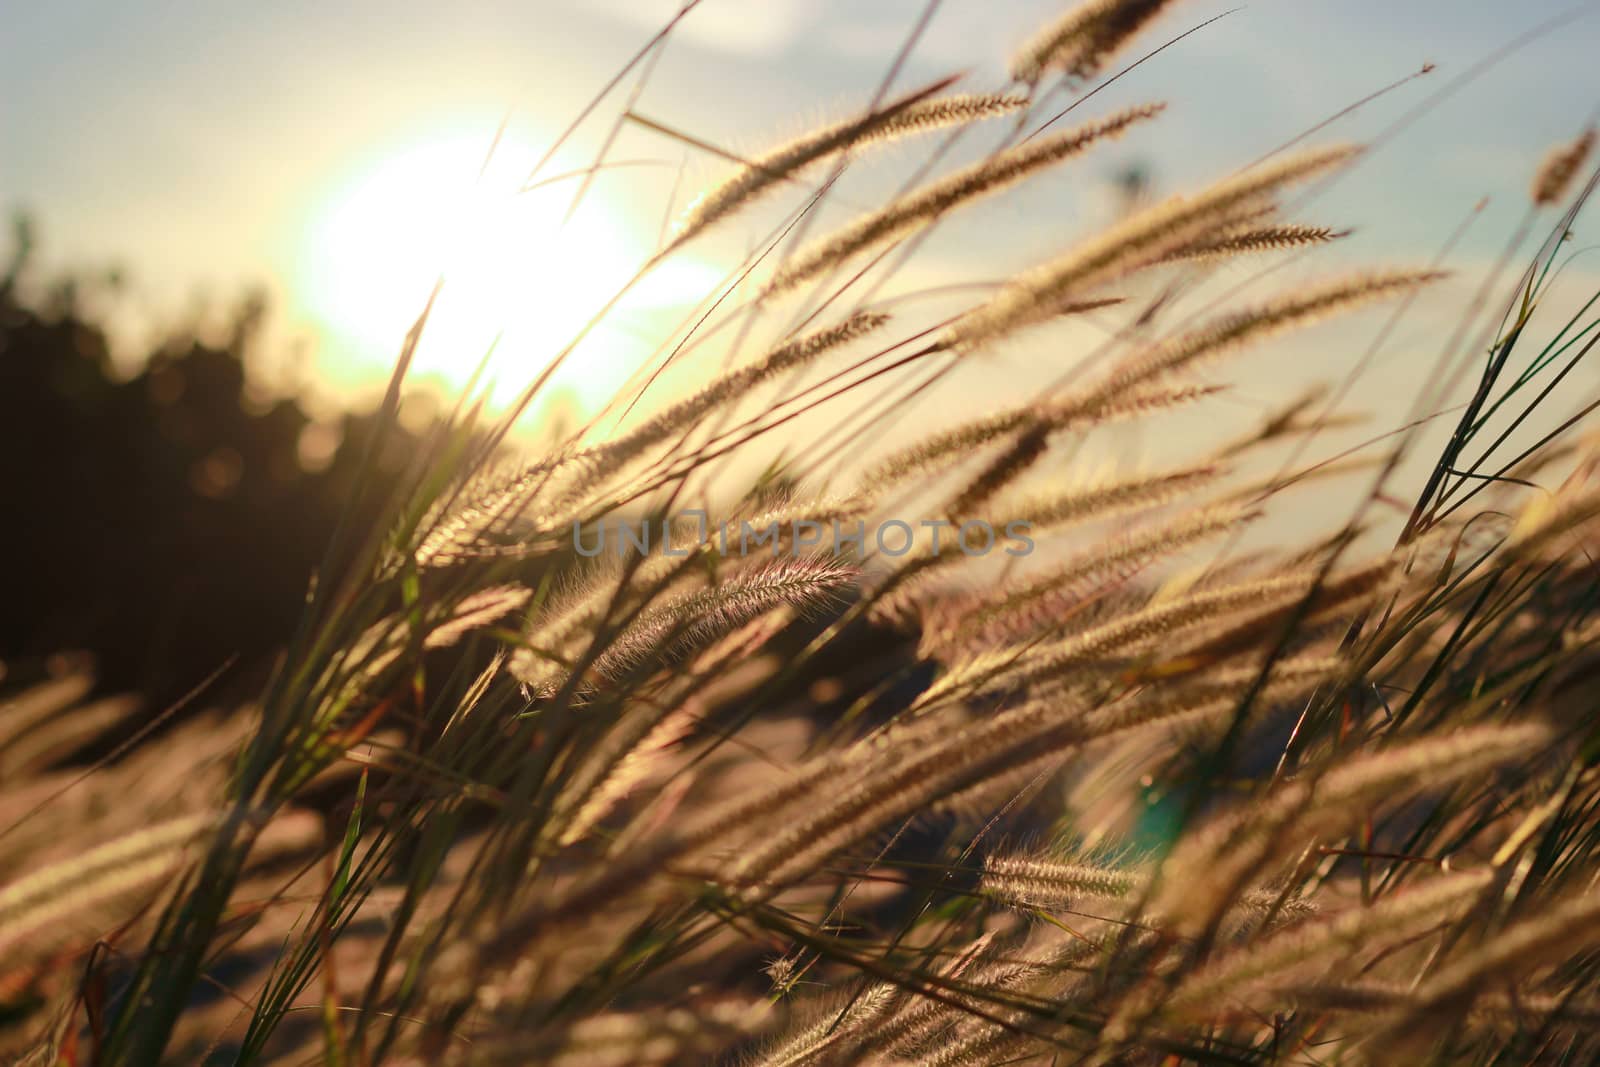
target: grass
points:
(1134, 802)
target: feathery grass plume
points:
(686, 619)
(474, 693)
(554, 637)
(1133, 633)
(605, 460)
(1339, 595)
(40, 702)
(952, 110)
(643, 731)
(491, 501)
(1030, 882)
(1235, 330)
(1428, 762)
(887, 781)
(456, 526)
(493, 951)
(1563, 931)
(629, 771)
(912, 1032)
(1026, 448)
(1390, 998)
(1202, 871)
(1275, 958)
(383, 643)
(1118, 556)
(897, 785)
(97, 877)
(947, 447)
(475, 611)
(1137, 242)
(967, 676)
(1111, 497)
(1224, 686)
(788, 517)
(985, 1042)
(1257, 239)
(1043, 984)
(943, 195)
(64, 733)
(910, 1012)
(1559, 167)
(917, 113)
(892, 781)
(818, 1042)
(1080, 42)
(1289, 419)
(1546, 519)
(622, 1039)
(1232, 676)
(1086, 505)
(590, 598)
(1155, 708)
(1117, 639)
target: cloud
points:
(741, 29)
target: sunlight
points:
(517, 279)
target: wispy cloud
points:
(736, 28)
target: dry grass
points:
(1139, 803)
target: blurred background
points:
(228, 216)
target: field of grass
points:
(1142, 796)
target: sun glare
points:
(520, 278)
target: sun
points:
(520, 277)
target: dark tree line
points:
(159, 523)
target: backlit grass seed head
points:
(1080, 42)
(924, 205)
(1320, 942)
(629, 771)
(84, 882)
(1550, 526)
(941, 450)
(491, 505)
(1258, 239)
(1202, 870)
(475, 611)
(952, 110)
(906, 1033)
(732, 386)
(1129, 246)
(1132, 633)
(1236, 330)
(686, 620)
(892, 783)
(836, 1025)
(1031, 882)
(1119, 556)
(1559, 931)
(1110, 498)
(1043, 882)
(1026, 449)
(1559, 167)
(1487, 1006)
(489, 498)
(785, 162)
(645, 730)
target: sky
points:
(318, 151)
